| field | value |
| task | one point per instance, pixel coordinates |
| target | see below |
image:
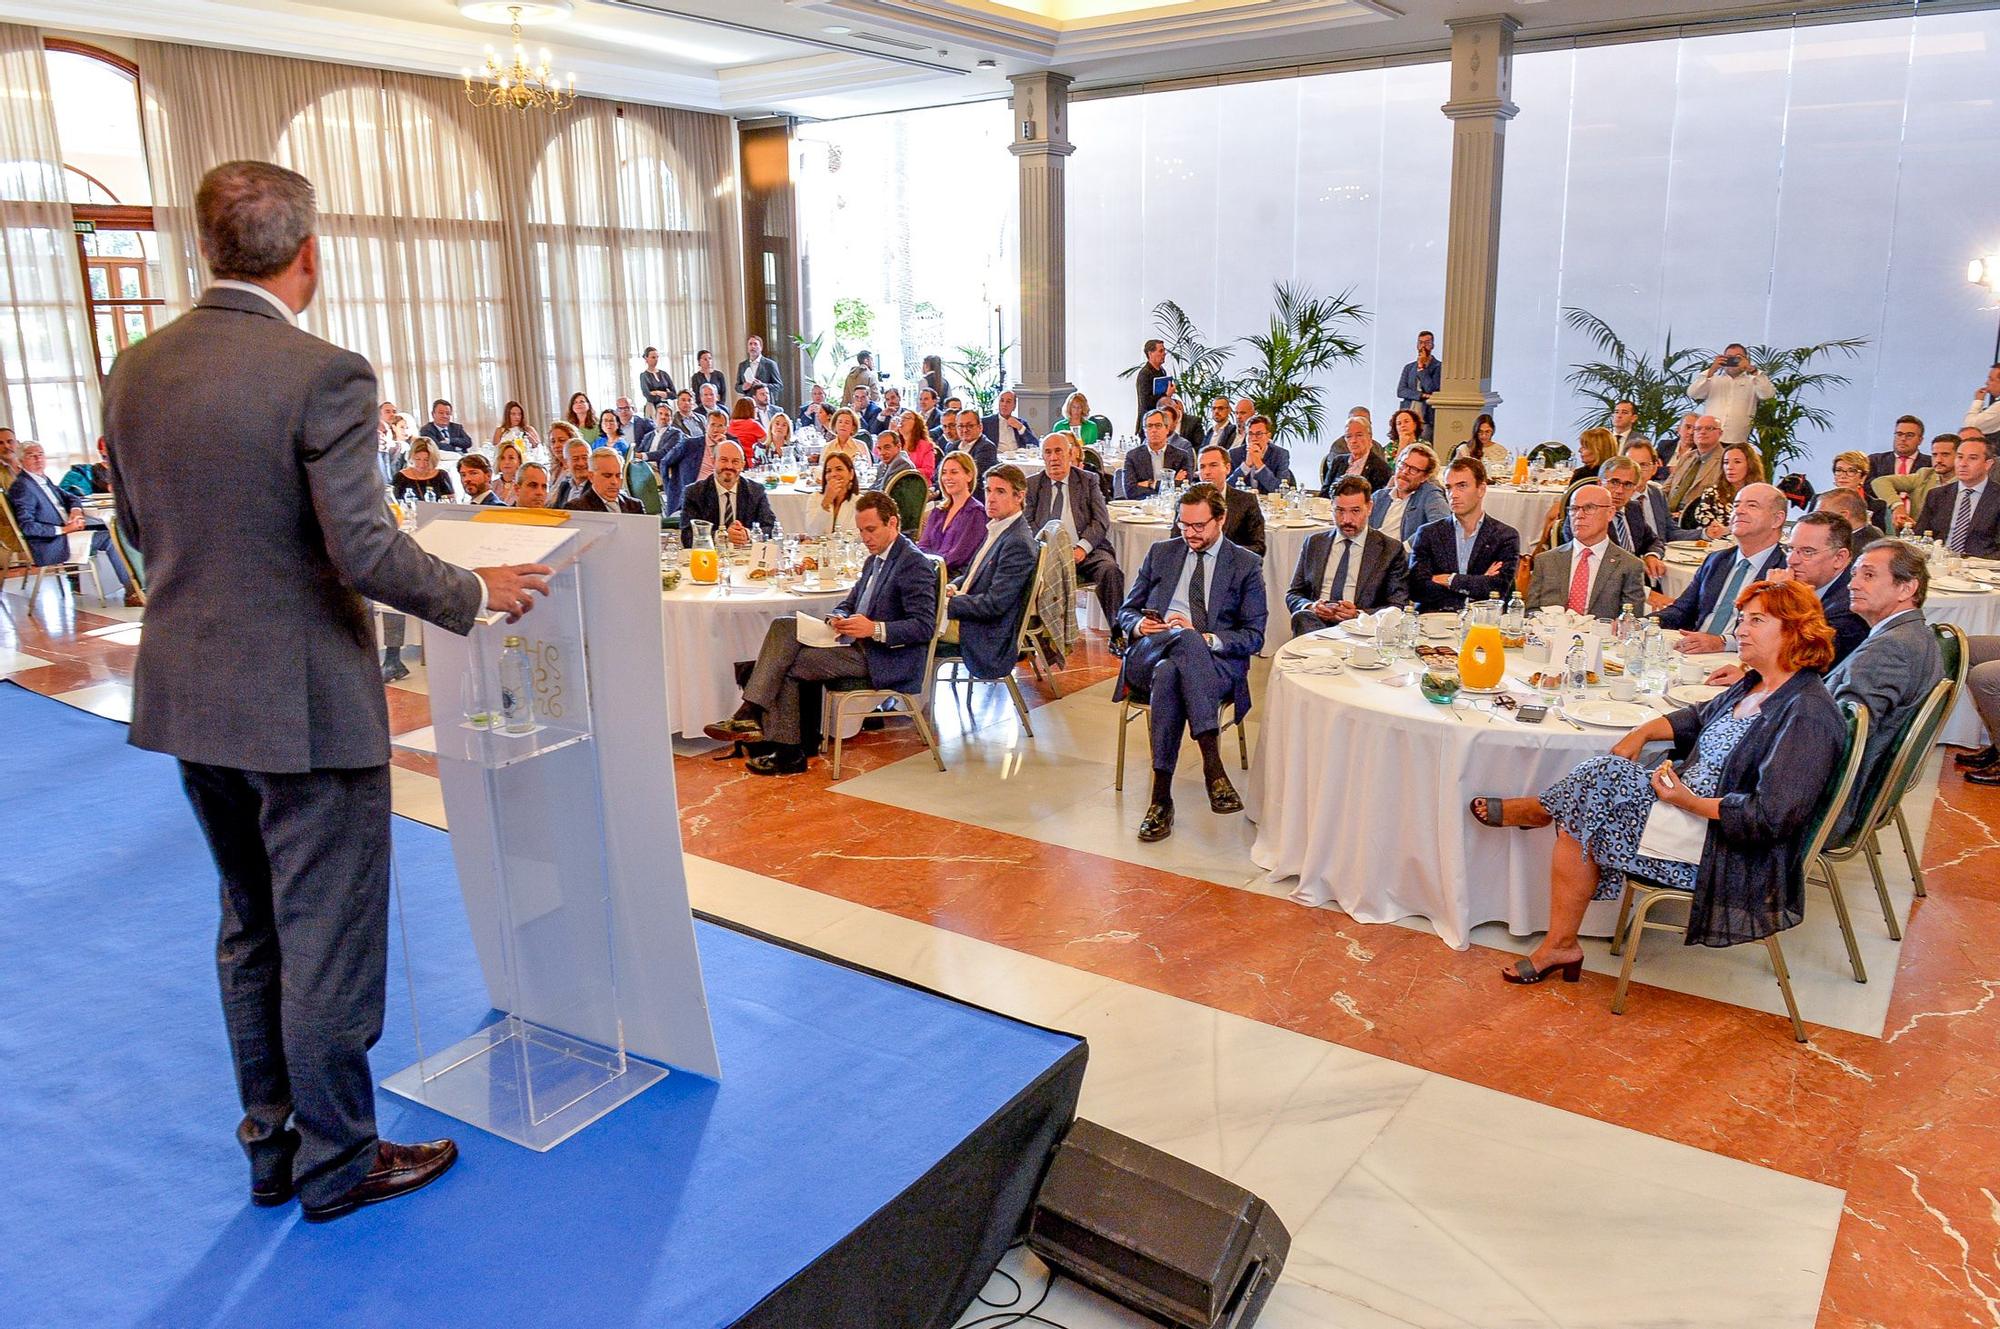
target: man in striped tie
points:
(1705, 613)
(1966, 513)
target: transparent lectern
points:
(563, 833)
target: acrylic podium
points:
(553, 749)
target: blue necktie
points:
(1725, 604)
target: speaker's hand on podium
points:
(508, 589)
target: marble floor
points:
(1407, 1115)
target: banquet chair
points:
(1024, 649)
(1130, 708)
(14, 552)
(18, 554)
(128, 557)
(909, 492)
(643, 483)
(1642, 894)
(1877, 799)
(1957, 661)
(853, 694)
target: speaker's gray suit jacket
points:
(1619, 583)
(243, 456)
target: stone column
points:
(1040, 108)
(1482, 84)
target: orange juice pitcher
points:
(702, 561)
(1481, 661)
(1521, 469)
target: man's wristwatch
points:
(880, 634)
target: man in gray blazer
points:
(1349, 570)
(257, 670)
(1898, 663)
(1070, 495)
(1591, 572)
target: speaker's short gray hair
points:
(253, 217)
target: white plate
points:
(1140, 519)
(1694, 694)
(1696, 547)
(1353, 663)
(821, 590)
(1128, 503)
(1604, 713)
(1304, 646)
(1957, 586)
(1348, 629)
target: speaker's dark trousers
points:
(785, 681)
(1183, 682)
(302, 954)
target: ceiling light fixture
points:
(837, 30)
(988, 64)
(517, 86)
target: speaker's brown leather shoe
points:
(399, 1169)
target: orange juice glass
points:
(1521, 469)
(1481, 660)
(702, 566)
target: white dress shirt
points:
(1590, 574)
(1732, 399)
(1330, 593)
(1392, 516)
(995, 526)
(230, 284)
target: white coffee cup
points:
(1624, 688)
(1365, 655)
(1691, 671)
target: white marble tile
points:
(417, 796)
(417, 740)
(1413, 1199)
(13, 662)
(113, 701)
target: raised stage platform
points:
(864, 1162)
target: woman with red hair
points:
(1762, 754)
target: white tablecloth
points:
(1976, 615)
(1523, 509)
(707, 634)
(1131, 541)
(1359, 790)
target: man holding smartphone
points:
(1731, 388)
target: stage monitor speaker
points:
(1156, 1234)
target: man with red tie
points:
(1907, 456)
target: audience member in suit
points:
(1412, 499)
(1243, 525)
(1195, 617)
(447, 433)
(656, 385)
(707, 375)
(1905, 494)
(972, 439)
(1468, 555)
(48, 515)
(680, 462)
(808, 416)
(1846, 504)
(1419, 381)
(605, 492)
(1221, 428)
(1850, 475)
(1648, 508)
(1008, 430)
(989, 600)
(1591, 574)
(1182, 427)
(575, 463)
(1261, 465)
(943, 423)
(1905, 455)
(1625, 427)
(1066, 493)
(757, 367)
(728, 502)
(1705, 613)
(265, 687)
(1349, 570)
(866, 412)
(1628, 528)
(927, 410)
(1150, 373)
(1696, 468)
(885, 624)
(1819, 552)
(475, 478)
(531, 485)
(1361, 458)
(889, 459)
(1965, 514)
(1155, 461)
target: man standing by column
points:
(266, 687)
(1419, 381)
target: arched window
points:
(110, 188)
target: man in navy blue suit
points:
(1195, 616)
(1156, 461)
(1008, 431)
(1705, 613)
(885, 624)
(1260, 464)
(1468, 555)
(48, 515)
(990, 598)
(1820, 553)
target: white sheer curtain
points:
(45, 351)
(470, 254)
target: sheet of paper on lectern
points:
(474, 544)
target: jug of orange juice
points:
(702, 562)
(1481, 661)
(1521, 469)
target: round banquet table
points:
(1131, 540)
(707, 633)
(1523, 509)
(1975, 613)
(790, 504)
(1359, 790)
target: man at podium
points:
(257, 670)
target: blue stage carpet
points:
(127, 1196)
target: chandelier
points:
(519, 86)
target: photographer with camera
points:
(1730, 388)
